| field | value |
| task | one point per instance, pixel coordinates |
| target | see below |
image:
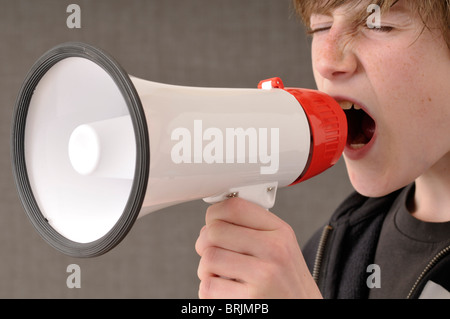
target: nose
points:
(333, 56)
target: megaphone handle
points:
(261, 194)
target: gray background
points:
(211, 43)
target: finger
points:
(234, 238)
(227, 264)
(220, 288)
(244, 213)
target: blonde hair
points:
(430, 11)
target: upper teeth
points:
(347, 105)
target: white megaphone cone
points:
(93, 148)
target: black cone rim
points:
(133, 206)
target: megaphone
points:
(93, 148)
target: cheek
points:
(411, 99)
(412, 120)
(390, 74)
(401, 81)
(317, 77)
(405, 76)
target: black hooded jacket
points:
(338, 255)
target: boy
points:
(392, 81)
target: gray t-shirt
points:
(405, 247)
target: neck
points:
(432, 197)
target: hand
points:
(248, 252)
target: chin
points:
(371, 191)
(373, 185)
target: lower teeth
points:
(357, 146)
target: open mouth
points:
(361, 127)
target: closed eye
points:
(382, 29)
(317, 30)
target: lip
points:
(357, 154)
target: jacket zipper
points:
(320, 250)
(444, 252)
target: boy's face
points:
(400, 75)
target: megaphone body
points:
(94, 148)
